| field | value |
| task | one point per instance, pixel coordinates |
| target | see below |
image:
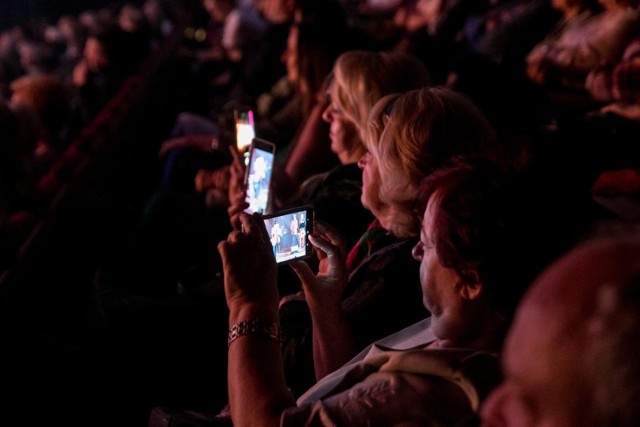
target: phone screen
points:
(289, 233)
(245, 130)
(258, 176)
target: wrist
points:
(255, 327)
(242, 311)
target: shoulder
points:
(414, 387)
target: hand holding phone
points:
(289, 232)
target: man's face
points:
(440, 285)
(542, 385)
(548, 381)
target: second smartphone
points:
(257, 180)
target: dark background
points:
(13, 12)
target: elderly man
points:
(571, 357)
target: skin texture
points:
(548, 379)
(371, 184)
(343, 135)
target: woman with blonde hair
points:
(407, 137)
(444, 123)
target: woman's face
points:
(440, 285)
(342, 133)
(95, 55)
(290, 55)
(370, 197)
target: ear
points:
(471, 287)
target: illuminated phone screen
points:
(258, 177)
(289, 233)
(245, 130)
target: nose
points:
(418, 251)
(326, 113)
(491, 411)
(285, 56)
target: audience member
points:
(438, 370)
(105, 65)
(434, 38)
(16, 182)
(423, 126)
(567, 60)
(575, 14)
(508, 30)
(232, 42)
(309, 56)
(359, 79)
(570, 356)
(48, 100)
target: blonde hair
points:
(361, 78)
(413, 134)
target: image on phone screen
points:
(289, 233)
(258, 175)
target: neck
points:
(571, 13)
(488, 335)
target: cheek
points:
(503, 407)
(427, 280)
(370, 180)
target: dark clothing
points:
(335, 197)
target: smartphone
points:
(245, 131)
(289, 232)
(257, 179)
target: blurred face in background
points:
(290, 56)
(95, 55)
(342, 132)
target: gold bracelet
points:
(255, 327)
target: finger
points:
(264, 235)
(234, 220)
(333, 234)
(223, 249)
(236, 156)
(327, 247)
(303, 271)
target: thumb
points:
(303, 271)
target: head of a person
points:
(359, 79)
(97, 51)
(478, 224)
(219, 9)
(410, 135)
(570, 358)
(277, 11)
(618, 4)
(569, 7)
(318, 35)
(309, 58)
(47, 98)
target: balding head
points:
(571, 356)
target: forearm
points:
(333, 343)
(257, 390)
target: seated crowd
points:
(472, 168)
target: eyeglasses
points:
(387, 111)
